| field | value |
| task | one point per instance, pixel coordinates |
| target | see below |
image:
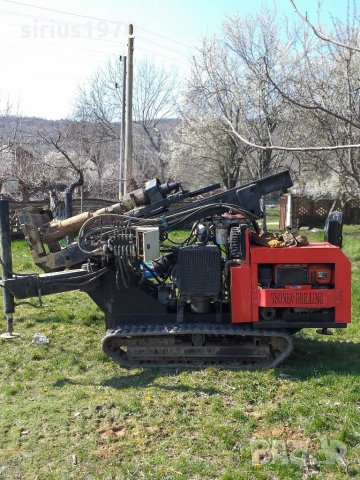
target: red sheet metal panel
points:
(314, 253)
(320, 252)
(247, 297)
(343, 282)
(241, 298)
(290, 297)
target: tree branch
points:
(320, 34)
(55, 143)
(289, 149)
(304, 105)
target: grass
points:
(68, 412)
(272, 217)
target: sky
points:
(49, 48)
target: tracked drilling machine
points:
(219, 297)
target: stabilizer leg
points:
(6, 263)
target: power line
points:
(38, 28)
(57, 55)
(59, 11)
(108, 53)
(89, 58)
(164, 38)
(63, 45)
(172, 50)
(179, 62)
(63, 12)
(37, 51)
(63, 22)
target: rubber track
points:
(189, 329)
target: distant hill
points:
(26, 126)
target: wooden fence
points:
(299, 212)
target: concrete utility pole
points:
(128, 123)
(122, 132)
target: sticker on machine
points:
(297, 298)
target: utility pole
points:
(122, 131)
(128, 123)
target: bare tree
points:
(202, 150)
(58, 144)
(17, 161)
(154, 100)
(99, 101)
(228, 80)
(76, 148)
(322, 87)
(10, 122)
(99, 104)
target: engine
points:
(191, 276)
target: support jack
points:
(9, 334)
(324, 331)
(7, 273)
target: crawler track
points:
(197, 345)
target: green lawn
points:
(272, 217)
(68, 412)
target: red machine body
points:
(323, 288)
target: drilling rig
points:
(219, 297)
